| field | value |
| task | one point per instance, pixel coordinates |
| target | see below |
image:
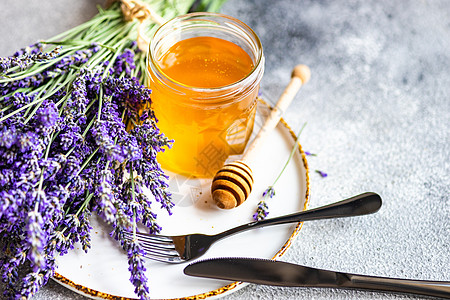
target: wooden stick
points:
(233, 183)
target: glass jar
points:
(207, 109)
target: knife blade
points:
(277, 273)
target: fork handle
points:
(359, 205)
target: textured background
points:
(378, 113)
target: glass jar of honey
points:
(204, 71)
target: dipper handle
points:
(299, 76)
(233, 183)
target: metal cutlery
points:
(182, 248)
(277, 273)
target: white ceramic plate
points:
(103, 272)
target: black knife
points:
(269, 272)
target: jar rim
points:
(259, 62)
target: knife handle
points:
(362, 204)
(421, 287)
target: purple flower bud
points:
(321, 173)
(262, 211)
(310, 154)
(269, 192)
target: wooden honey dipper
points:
(233, 183)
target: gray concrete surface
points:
(378, 113)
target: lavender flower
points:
(310, 154)
(321, 173)
(30, 284)
(15, 255)
(36, 238)
(47, 116)
(152, 141)
(84, 230)
(136, 266)
(125, 63)
(105, 205)
(261, 211)
(137, 270)
(269, 192)
(18, 99)
(77, 135)
(101, 133)
(31, 49)
(25, 58)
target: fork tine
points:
(159, 250)
(164, 258)
(151, 238)
(154, 246)
(156, 251)
(163, 253)
(157, 247)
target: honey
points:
(206, 62)
(204, 91)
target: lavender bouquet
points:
(77, 137)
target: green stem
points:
(111, 33)
(116, 39)
(6, 108)
(83, 135)
(85, 204)
(291, 155)
(52, 86)
(20, 90)
(87, 161)
(71, 33)
(92, 34)
(41, 178)
(113, 59)
(88, 127)
(65, 98)
(77, 43)
(141, 65)
(38, 92)
(100, 103)
(41, 181)
(64, 103)
(20, 109)
(95, 32)
(133, 196)
(89, 106)
(134, 224)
